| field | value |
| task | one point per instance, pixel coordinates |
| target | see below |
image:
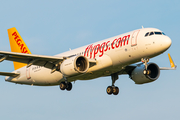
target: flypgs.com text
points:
(92, 50)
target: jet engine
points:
(74, 65)
(139, 77)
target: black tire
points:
(69, 86)
(62, 85)
(109, 90)
(115, 90)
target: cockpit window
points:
(152, 33)
(163, 33)
(147, 34)
(158, 33)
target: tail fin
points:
(17, 45)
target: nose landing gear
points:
(146, 71)
(113, 89)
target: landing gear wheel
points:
(109, 90)
(115, 90)
(69, 86)
(62, 85)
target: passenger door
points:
(28, 73)
(134, 38)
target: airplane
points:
(128, 53)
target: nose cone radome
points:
(167, 42)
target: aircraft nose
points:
(167, 42)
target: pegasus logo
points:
(20, 43)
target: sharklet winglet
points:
(171, 61)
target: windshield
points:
(154, 33)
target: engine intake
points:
(74, 66)
(139, 77)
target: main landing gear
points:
(145, 61)
(65, 85)
(113, 89)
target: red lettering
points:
(118, 42)
(102, 49)
(96, 49)
(19, 42)
(113, 43)
(128, 39)
(107, 46)
(22, 46)
(124, 39)
(24, 50)
(16, 37)
(87, 50)
(14, 34)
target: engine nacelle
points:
(138, 76)
(74, 66)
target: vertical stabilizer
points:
(17, 45)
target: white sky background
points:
(49, 28)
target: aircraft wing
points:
(9, 74)
(41, 60)
(32, 59)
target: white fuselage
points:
(111, 54)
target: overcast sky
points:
(52, 27)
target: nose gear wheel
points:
(145, 61)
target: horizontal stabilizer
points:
(9, 74)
